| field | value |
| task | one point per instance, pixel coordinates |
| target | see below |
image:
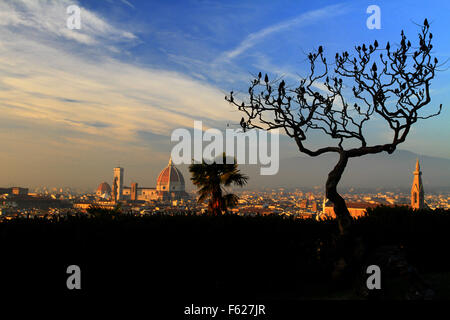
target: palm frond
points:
(211, 180)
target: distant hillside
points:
(371, 171)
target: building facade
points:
(170, 186)
(14, 191)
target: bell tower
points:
(417, 194)
(118, 184)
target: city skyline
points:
(169, 197)
(395, 179)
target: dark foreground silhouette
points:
(227, 257)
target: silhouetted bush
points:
(208, 256)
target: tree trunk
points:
(216, 202)
(340, 208)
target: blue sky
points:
(75, 103)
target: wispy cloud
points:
(298, 21)
(127, 97)
(50, 84)
(125, 2)
(47, 18)
(128, 3)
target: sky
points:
(76, 103)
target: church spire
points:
(170, 161)
(417, 193)
(417, 165)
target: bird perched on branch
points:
(320, 50)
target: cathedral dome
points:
(170, 179)
(103, 188)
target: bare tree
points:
(391, 84)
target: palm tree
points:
(212, 179)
